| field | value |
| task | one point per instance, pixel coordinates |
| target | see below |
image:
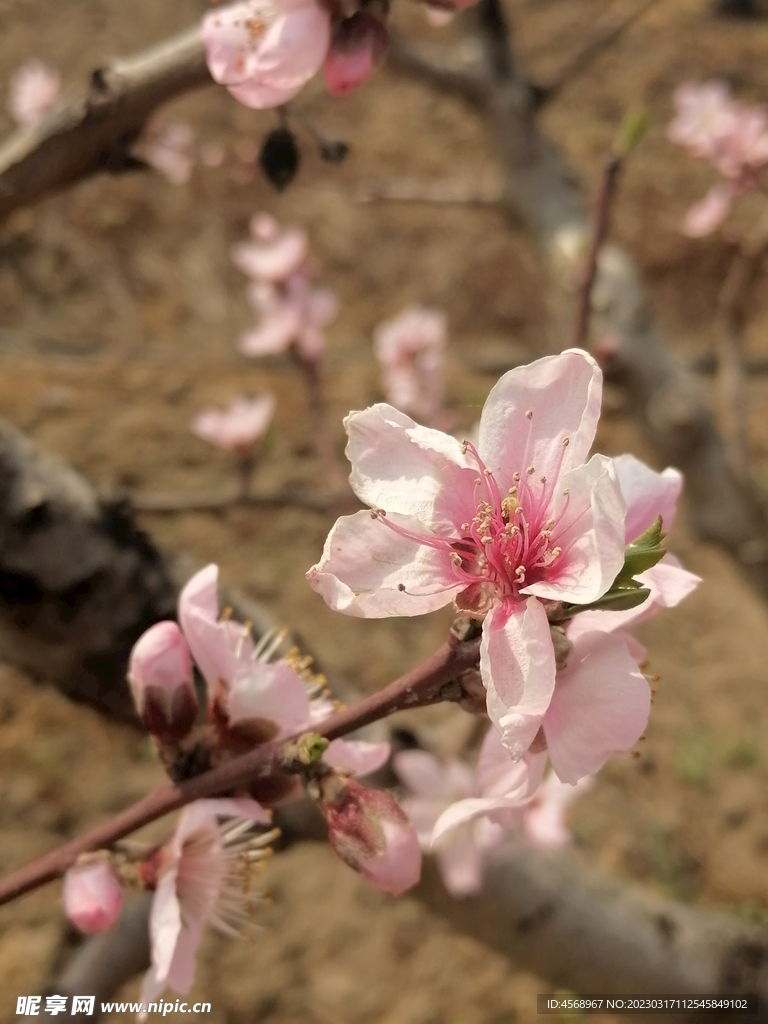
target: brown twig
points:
(609, 28)
(731, 304)
(428, 683)
(597, 236)
(323, 440)
(231, 498)
(95, 129)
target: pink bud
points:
(358, 44)
(160, 676)
(371, 833)
(92, 897)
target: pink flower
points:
(34, 89)
(705, 116)
(647, 494)
(501, 529)
(454, 812)
(160, 677)
(710, 212)
(732, 136)
(92, 896)
(201, 876)
(168, 149)
(264, 51)
(411, 351)
(291, 317)
(544, 821)
(237, 428)
(358, 45)
(372, 834)
(274, 254)
(255, 696)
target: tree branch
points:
(95, 129)
(432, 681)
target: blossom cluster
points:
(732, 136)
(411, 352)
(292, 311)
(528, 535)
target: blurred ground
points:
(119, 308)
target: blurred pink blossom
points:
(411, 352)
(371, 833)
(273, 254)
(34, 89)
(239, 427)
(92, 896)
(357, 47)
(705, 117)
(264, 51)
(160, 678)
(448, 793)
(501, 529)
(292, 317)
(544, 822)
(732, 136)
(168, 148)
(202, 876)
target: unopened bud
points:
(160, 676)
(92, 896)
(358, 45)
(371, 833)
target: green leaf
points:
(644, 552)
(613, 601)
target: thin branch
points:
(435, 679)
(94, 130)
(609, 28)
(318, 414)
(598, 235)
(731, 371)
(219, 500)
(468, 85)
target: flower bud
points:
(92, 897)
(358, 44)
(371, 833)
(160, 676)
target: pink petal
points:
(279, 327)
(92, 897)
(399, 867)
(460, 864)
(497, 774)
(273, 692)
(703, 217)
(517, 663)
(273, 261)
(165, 926)
(544, 821)
(369, 571)
(357, 756)
(600, 707)
(669, 584)
(426, 776)
(463, 812)
(413, 470)
(210, 641)
(591, 533)
(647, 494)
(563, 393)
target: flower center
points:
(512, 541)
